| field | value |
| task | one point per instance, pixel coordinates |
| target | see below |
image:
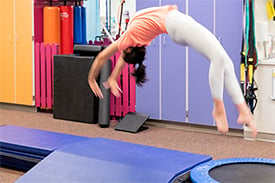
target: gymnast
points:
(184, 30)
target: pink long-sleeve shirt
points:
(145, 26)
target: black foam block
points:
(73, 98)
(132, 122)
(87, 50)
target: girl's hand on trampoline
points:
(95, 88)
(112, 84)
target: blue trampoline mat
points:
(34, 141)
(242, 170)
(106, 160)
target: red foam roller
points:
(67, 33)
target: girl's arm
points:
(98, 63)
(112, 80)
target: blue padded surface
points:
(200, 174)
(34, 141)
(105, 160)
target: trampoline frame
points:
(200, 174)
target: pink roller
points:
(43, 75)
(125, 84)
(37, 75)
(55, 51)
(48, 76)
(118, 99)
(132, 91)
(112, 97)
(119, 107)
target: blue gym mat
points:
(22, 148)
(106, 160)
(34, 141)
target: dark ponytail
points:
(135, 56)
(140, 74)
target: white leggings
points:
(184, 30)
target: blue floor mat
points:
(106, 160)
(22, 148)
(34, 141)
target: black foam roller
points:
(104, 104)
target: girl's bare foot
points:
(219, 115)
(246, 118)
